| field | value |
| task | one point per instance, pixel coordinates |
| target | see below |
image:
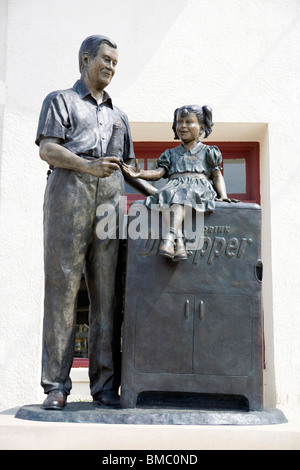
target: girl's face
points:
(188, 128)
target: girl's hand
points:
(226, 199)
(131, 171)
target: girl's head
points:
(203, 114)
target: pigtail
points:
(175, 124)
(207, 118)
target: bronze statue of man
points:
(74, 130)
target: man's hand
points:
(103, 167)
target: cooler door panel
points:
(164, 333)
(223, 335)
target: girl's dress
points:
(189, 172)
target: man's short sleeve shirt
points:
(83, 126)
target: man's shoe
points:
(107, 398)
(56, 400)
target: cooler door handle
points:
(201, 310)
(187, 309)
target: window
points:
(241, 170)
(147, 154)
(241, 174)
(240, 167)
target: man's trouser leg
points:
(103, 276)
(68, 218)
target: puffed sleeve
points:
(53, 120)
(213, 157)
(164, 161)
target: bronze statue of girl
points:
(194, 173)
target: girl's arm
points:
(219, 185)
(136, 182)
(147, 175)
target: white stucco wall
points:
(240, 57)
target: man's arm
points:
(52, 152)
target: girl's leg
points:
(177, 218)
(173, 220)
(180, 253)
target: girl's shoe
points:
(180, 253)
(166, 248)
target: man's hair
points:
(91, 47)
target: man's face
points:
(101, 69)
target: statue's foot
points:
(56, 400)
(107, 398)
(180, 253)
(166, 248)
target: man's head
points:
(98, 57)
